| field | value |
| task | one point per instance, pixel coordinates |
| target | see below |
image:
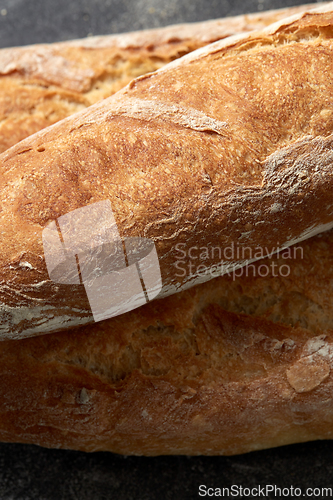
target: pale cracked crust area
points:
(225, 145)
(227, 367)
(42, 84)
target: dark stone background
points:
(33, 473)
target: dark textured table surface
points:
(32, 473)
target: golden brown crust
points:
(188, 374)
(211, 149)
(230, 366)
(43, 84)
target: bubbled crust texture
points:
(227, 367)
(199, 153)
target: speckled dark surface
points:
(32, 473)
(35, 21)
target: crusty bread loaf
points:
(233, 365)
(226, 367)
(41, 84)
(230, 146)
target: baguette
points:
(230, 366)
(224, 157)
(227, 367)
